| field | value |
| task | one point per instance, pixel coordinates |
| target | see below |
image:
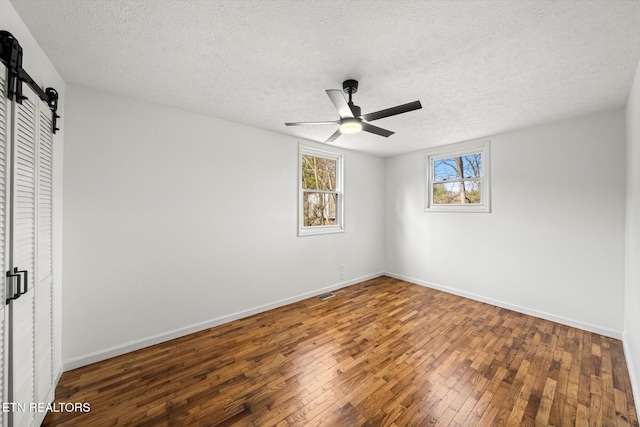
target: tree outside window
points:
(319, 191)
(456, 180)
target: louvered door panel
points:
(45, 197)
(4, 133)
(44, 274)
(23, 256)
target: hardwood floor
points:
(381, 353)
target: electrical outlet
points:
(341, 271)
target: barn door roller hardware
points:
(11, 56)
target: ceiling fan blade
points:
(375, 129)
(335, 136)
(334, 122)
(340, 103)
(404, 108)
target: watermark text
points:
(45, 407)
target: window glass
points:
(318, 173)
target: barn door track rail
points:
(11, 56)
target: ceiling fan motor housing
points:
(350, 86)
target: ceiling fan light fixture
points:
(350, 126)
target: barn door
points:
(44, 261)
(22, 260)
(4, 265)
(28, 359)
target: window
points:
(320, 209)
(458, 178)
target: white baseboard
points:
(56, 379)
(635, 387)
(176, 333)
(513, 307)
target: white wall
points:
(37, 64)
(174, 221)
(632, 296)
(553, 245)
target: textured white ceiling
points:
(478, 67)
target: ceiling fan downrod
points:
(350, 87)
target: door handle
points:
(26, 279)
(16, 294)
(19, 290)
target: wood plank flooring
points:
(381, 353)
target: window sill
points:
(319, 230)
(458, 208)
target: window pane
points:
(469, 166)
(444, 169)
(318, 173)
(472, 165)
(450, 193)
(319, 209)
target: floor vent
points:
(326, 296)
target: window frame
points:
(483, 147)
(339, 192)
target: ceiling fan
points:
(351, 118)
